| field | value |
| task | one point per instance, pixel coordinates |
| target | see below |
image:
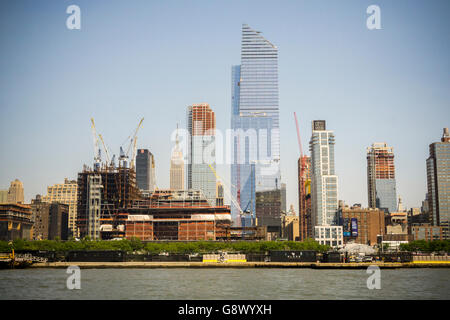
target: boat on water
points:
(11, 261)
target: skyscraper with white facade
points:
(324, 186)
(255, 121)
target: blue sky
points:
(152, 59)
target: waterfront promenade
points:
(315, 265)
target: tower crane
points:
(97, 151)
(241, 212)
(133, 155)
(124, 156)
(108, 158)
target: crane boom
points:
(97, 155)
(227, 189)
(133, 155)
(105, 148)
(298, 136)
(134, 136)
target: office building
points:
(255, 122)
(362, 225)
(201, 124)
(381, 183)
(427, 232)
(65, 193)
(145, 171)
(51, 220)
(438, 182)
(15, 192)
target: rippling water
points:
(224, 284)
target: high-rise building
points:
(65, 193)
(50, 220)
(438, 180)
(304, 197)
(15, 192)
(177, 168)
(324, 182)
(145, 171)
(255, 120)
(381, 184)
(324, 186)
(201, 124)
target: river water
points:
(225, 284)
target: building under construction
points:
(110, 207)
(103, 193)
(110, 204)
(177, 215)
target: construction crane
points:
(97, 152)
(108, 158)
(241, 212)
(133, 155)
(124, 156)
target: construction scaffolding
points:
(103, 194)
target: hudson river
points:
(225, 284)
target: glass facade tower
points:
(255, 121)
(145, 170)
(438, 180)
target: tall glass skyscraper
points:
(145, 171)
(438, 180)
(255, 121)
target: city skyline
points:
(56, 110)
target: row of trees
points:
(135, 245)
(426, 246)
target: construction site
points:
(111, 206)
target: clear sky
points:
(152, 59)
